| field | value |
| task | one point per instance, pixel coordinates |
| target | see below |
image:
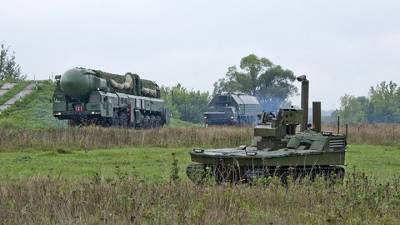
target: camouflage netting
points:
(121, 78)
(149, 84)
(146, 87)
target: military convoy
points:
(278, 149)
(232, 109)
(86, 96)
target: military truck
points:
(232, 109)
(278, 149)
(86, 96)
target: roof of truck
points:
(245, 99)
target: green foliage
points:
(184, 104)
(381, 106)
(10, 70)
(259, 77)
(384, 103)
(352, 109)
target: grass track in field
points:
(154, 164)
(13, 91)
(32, 112)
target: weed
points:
(174, 176)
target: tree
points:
(381, 106)
(384, 103)
(10, 70)
(184, 104)
(259, 77)
(352, 109)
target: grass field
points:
(132, 186)
(155, 164)
(50, 174)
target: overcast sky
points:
(342, 46)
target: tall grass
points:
(125, 200)
(96, 137)
(377, 134)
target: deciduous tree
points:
(259, 77)
(10, 70)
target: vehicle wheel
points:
(153, 122)
(123, 120)
(146, 122)
(158, 122)
(115, 120)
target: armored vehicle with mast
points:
(278, 149)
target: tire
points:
(115, 120)
(123, 120)
(153, 122)
(146, 122)
(158, 122)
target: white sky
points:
(342, 46)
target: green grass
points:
(381, 161)
(180, 123)
(32, 112)
(154, 164)
(17, 88)
(151, 164)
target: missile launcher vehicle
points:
(278, 149)
(86, 96)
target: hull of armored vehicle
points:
(243, 165)
(259, 158)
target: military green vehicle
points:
(277, 149)
(86, 96)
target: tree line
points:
(382, 105)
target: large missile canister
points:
(78, 83)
